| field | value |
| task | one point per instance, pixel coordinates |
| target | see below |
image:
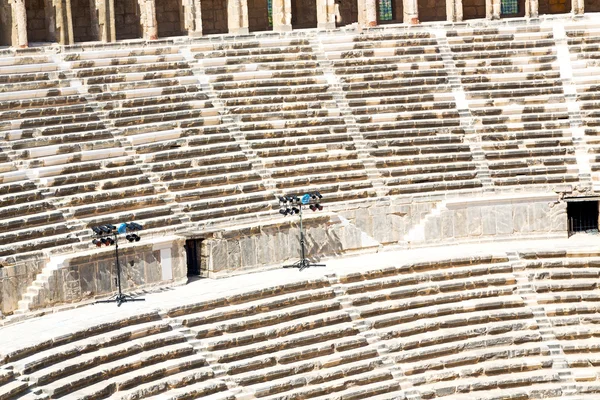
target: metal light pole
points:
(118, 298)
(304, 262)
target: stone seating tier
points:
(447, 328)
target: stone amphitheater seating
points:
(279, 96)
(399, 94)
(583, 49)
(207, 131)
(511, 79)
(486, 327)
(565, 287)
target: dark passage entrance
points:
(194, 257)
(583, 216)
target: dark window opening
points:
(583, 216)
(193, 249)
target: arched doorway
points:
(304, 14)
(214, 16)
(85, 27)
(260, 15)
(389, 12)
(554, 7)
(37, 26)
(127, 20)
(348, 12)
(432, 10)
(168, 18)
(474, 9)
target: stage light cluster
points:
(292, 204)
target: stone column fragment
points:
(282, 15)
(325, 14)
(192, 19)
(578, 7)
(411, 12)
(105, 11)
(492, 9)
(531, 8)
(63, 21)
(367, 13)
(148, 19)
(237, 17)
(454, 10)
(19, 18)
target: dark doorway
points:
(83, 25)
(193, 249)
(36, 21)
(432, 10)
(168, 18)
(214, 16)
(260, 15)
(5, 24)
(348, 12)
(554, 7)
(475, 9)
(304, 14)
(591, 5)
(127, 20)
(583, 216)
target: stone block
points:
(474, 223)
(217, 251)
(541, 222)
(447, 225)
(488, 220)
(460, 225)
(504, 219)
(521, 221)
(248, 250)
(433, 229)
(234, 255)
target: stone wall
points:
(554, 6)
(258, 15)
(14, 281)
(82, 21)
(348, 12)
(127, 19)
(488, 219)
(36, 21)
(592, 5)
(168, 18)
(6, 24)
(237, 251)
(214, 16)
(370, 226)
(432, 10)
(304, 14)
(473, 9)
(93, 274)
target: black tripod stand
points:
(118, 298)
(304, 262)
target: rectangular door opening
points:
(193, 249)
(583, 216)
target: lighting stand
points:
(118, 298)
(304, 262)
